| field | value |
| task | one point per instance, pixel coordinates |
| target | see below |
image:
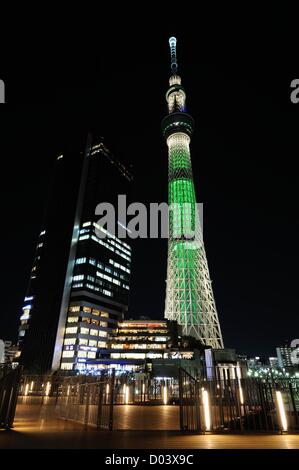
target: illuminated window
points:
(69, 341)
(87, 309)
(26, 314)
(94, 333)
(66, 366)
(107, 292)
(115, 355)
(104, 314)
(74, 308)
(72, 319)
(82, 354)
(85, 320)
(92, 342)
(95, 312)
(68, 354)
(104, 324)
(83, 341)
(91, 355)
(104, 334)
(84, 331)
(79, 277)
(71, 329)
(102, 344)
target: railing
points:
(238, 405)
(87, 400)
(230, 405)
(9, 385)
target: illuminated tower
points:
(189, 294)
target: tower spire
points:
(174, 64)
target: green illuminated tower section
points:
(189, 295)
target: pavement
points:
(36, 429)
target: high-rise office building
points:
(79, 282)
(287, 356)
(189, 294)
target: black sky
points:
(244, 154)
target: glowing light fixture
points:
(26, 390)
(165, 395)
(107, 389)
(48, 388)
(241, 395)
(31, 386)
(282, 413)
(126, 394)
(206, 408)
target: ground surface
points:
(35, 429)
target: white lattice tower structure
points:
(189, 295)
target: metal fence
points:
(9, 385)
(87, 400)
(237, 405)
(230, 405)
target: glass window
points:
(68, 354)
(69, 341)
(83, 341)
(71, 329)
(82, 353)
(66, 366)
(84, 331)
(72, 319)
(74, 308)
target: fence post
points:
(181, 398)
(100, 403)
(112, 391)
(293, 403)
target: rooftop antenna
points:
(174, 64)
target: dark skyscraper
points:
(79, 283)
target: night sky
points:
(244, 153)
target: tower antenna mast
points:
(174, 63)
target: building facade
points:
(79, 283)
(287, 356)
(189, 295)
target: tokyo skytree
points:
(189, 295)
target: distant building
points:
(150, 346)
(287, 356)
(273, 362)
(79, 283)
(2, 351)
(224, 364)
(8, 352)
